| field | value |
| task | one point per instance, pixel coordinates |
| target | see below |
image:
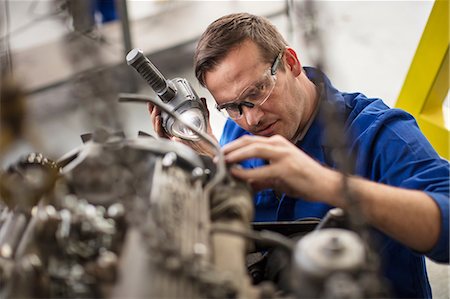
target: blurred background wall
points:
(369, 47)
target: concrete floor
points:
(370, 45)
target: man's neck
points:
(311, 113)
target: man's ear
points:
(291, 61)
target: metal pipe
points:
(126, 33)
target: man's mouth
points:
(266, 131)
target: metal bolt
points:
(200, 249)
(116, 210)
(6, 251)
(100, 211)
(107, 258)
(50, 211)
(334, 246)
(169, 159)
(31, 262)
(90, 211)
(70, 201)
(337, 212)
(31, 157)
(197, 173)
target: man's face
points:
(241, 70)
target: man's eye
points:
(232, 108)
(253, 92)
(262, 86)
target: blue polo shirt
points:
(388, 148)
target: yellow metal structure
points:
(427, 82)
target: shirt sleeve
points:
(400, 155)
(231, 131)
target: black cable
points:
(265, 237)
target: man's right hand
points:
(155, 115)
(202, 147)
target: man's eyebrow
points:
(255, 83)
(234, 100)
(237, 99)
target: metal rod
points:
(126, 33)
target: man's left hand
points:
(290, 170)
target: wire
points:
(131, 97)
(265, 236)
(221, 167)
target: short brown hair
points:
(229, 31)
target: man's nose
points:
(252, 115)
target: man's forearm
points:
(409, 216)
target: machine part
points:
(106, 266)
(229, 258)
(256, 264)
(231, 212)
(6, 269)
(26, 181)
(186, 156)
(335, 218)
(323, 253)
(11, 234)
(169, 159)
(288, 228)
(150, 218)
(232, 200)
(98, 174)
(4, 211)
(342, 286)
(173, 223)
(329, 250)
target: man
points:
(274, 131)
